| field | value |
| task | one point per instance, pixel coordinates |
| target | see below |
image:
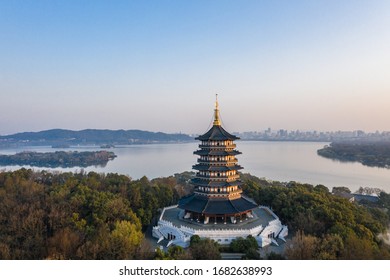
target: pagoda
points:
(217, 194)
(217, 209)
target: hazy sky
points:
(156, 65)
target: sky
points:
(156, 65)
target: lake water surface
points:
(281, 161)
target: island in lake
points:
(58, 159)
(375, 154)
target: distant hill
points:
(91, 136)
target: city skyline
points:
(157, 65)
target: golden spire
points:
(216, 112)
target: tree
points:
(251, 254)
(124, 240)
(205, 249)
(341, 190)
(241, 245)
(301, 247)
(275, 256)
(178, 253)
(195, 239)
(356, 248)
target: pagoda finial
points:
(216, 112)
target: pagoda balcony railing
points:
(214, 190)
(222, 162)
(206, 193)
(231, 146)
(219, 178)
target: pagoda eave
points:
(210, 152)
(197, 204)
(210, 183)
(217, 133)
(206, 167)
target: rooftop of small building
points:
(371, 198)
(261, 216)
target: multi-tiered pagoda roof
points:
(217, 192)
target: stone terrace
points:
(260, 217)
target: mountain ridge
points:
(92, 136)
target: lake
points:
(281, 161)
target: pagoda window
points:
(219, 190)
(219, 174)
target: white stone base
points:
(180, 233)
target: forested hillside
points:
(77, 216)
(104, 216)
(366, 152)
(327, 226)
